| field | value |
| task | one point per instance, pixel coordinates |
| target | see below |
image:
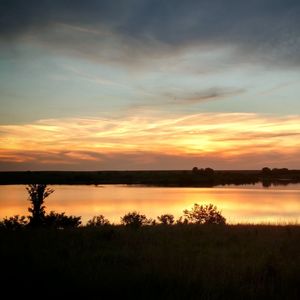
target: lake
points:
(246, 204)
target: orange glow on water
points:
(252, 204)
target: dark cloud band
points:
(270, 27)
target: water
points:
(249, 203)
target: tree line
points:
(38, 218)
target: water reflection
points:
(251, 203)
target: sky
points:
(149, 84)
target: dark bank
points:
(205, 177)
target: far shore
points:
(178, 178)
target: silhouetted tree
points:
(195, 170)
(209, 171)
(61, 221)
(266, 171)
(204, 214)
(37, 194)
(166, 219)
(134, 219)
(14, 223)
(97, 221)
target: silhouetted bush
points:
(182, 221)
(14, 223)
(61, 221)
(134, 219)
(204, 214)
(37, 194)
(151, 222)
(166, 219)
(97, 221)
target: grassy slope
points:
(177, 262)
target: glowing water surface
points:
(247, 204)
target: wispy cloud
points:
(236, 139)
(91, 78)
(211, 94)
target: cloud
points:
(222, 140)
(136, 30)
(205, 95)
(182, 97)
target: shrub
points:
(182, 221)
(14, 223)
(166, 219)
(97, 221)
(134, 219)
(61, 221)
(204, 214)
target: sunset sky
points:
(149, 84)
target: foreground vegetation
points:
(170, 262)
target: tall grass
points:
(169, 262)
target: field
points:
(168, 262)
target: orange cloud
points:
(147, 140)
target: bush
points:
(97, 221)
(204, 214)
(182, 221)
(61, 221)
(134, 219)
(14, 223)
(166, 219)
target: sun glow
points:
(230, 135)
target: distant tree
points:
(166, 219)
(14, 223)
(37, 194)
(97, 221)
(195, 170)
(280, 171)
(204, 214)
(61, 221)
(266, 170)
(134, 219)
(209, 171)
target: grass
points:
(169, 262)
